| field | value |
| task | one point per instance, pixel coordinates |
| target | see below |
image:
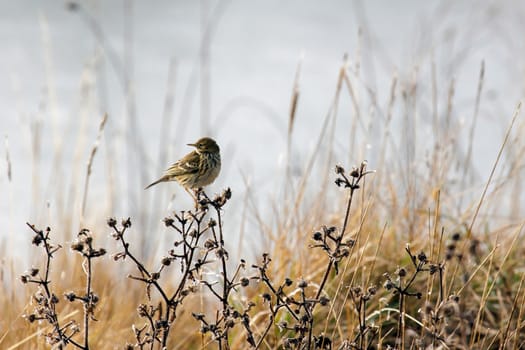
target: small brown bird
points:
(196, 169)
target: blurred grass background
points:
(429, 112)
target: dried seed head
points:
(77, 246)
(401, 272)
(70, 296)
(118, 256)
(126, 223)
(388, 285)
(168, 221)
(209, 244)
(221, 253)
(372, 290)
(112, 222)
(357, 291)
(323, 300)
(323, 342)
(98, 252)
(142, 310)
(245, 282)
(37, 239)
(302, 284)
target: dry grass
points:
(425, 257)
(415, 275)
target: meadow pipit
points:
(196, 169)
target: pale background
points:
(60, 70)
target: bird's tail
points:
(162, 179)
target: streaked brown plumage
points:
(198, 168)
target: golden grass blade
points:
(489, 181)
(36, 334)
(488, 289)
(483, 194)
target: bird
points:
(196, 169)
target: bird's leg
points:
(197, 194)
(193, 195)
(203, 195)
(200, 194)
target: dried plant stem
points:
(488, 288)
(343, 230)
(322, 134)
(46, 300)
(468, 157)
(489, 181)
(483, 194)
(289, 188)
(514, 309)
(353, 183)
(90, 164)
(266, 330)
(226, 285)
(401, 318)
(343, 281)
(86, 305)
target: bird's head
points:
(206, 144)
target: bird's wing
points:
(189, 164)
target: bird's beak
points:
(192, 144)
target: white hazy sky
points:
(57, 77)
